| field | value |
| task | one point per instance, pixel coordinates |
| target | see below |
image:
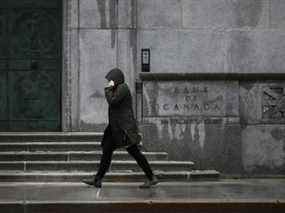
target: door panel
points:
(30, 65)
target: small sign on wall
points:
(145, 58)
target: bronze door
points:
(30, 65)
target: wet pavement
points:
(223, 191)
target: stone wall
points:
(262, 108)
(101, 35)
(235, 126)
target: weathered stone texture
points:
(181, 51)
(211, 143)
(194, 120)
(262, 102)
(112, 14)
(215, 51)
(277, 18)
(225, 14)
(159, 14)
(263, 135)
(256, 51)
(263, 149)
(94, 65)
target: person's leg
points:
(141, 160)
(103, 166)
(105, 161)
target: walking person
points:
(122, 130)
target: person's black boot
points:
(149, 183)
(96, 182)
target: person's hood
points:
(116, 75)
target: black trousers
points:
(133, 150)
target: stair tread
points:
(97, 161)
(52, 173)
(71, 152)
(50, 143)
(15, 134)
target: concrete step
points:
(74, 155)
(49, 146)
(29, 166)
(49, 136)
(11, 176)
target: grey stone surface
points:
(210, 143)
(250, 103)
(186, 98)
(159, 14)
(256, 51)
(185, 50)
(126, 56)
(225, 14)
(210, 51)
(97, 57)
(277, 19)
(107, 14)
(263, 149)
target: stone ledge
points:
(119, 176)
(211, 76)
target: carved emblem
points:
(273, 102)
(39, 33)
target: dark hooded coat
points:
(122, 130)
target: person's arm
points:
(114, 98)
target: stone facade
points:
(234, 125)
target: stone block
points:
(159, 14)
(185, 50)
(277, 19)
(207, 51)
(107, 14)
(126, 56)
(225, 14)
(264, 149)
(94, 65)
(186, 98)
(210, 143)
(259, 51)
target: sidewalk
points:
(227, 191)
(224, 190)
